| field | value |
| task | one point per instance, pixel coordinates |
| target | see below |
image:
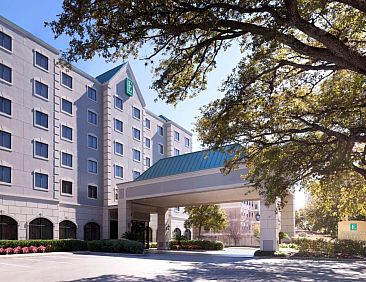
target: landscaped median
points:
(41, 246)
(195, 245)
(320, 248)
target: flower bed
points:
(24, 250)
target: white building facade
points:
(67, 139)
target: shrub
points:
(25, 250)
(116, 246)
(196, 245)
(41, 249)
(9, 251)
(33, 249)
(18, 250)
(259, 253)
(55, 245)
(2, 251)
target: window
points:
(160, 130)
(136, 133)
(135, 174)
(5, 139)
(118, 148)
(92, 117)
(118, 125)
(147, 162)
(5, 106)
(136, 113)
(5, 41)
(41, 89)
(66, 187)
(92, 192)
(66, 106)
(136, 154)
(176, 136)
(41, 180)
(118, 171)
(176, 152)
(41, 61)
(67, 230)
(118, 103)
(66, 132)
(187, 142)
(147, 123)
(5, 174)
(147, 142)
(91, 231)
(161, 149)
(66, 80)
(66, 159)
(92, 94)
(92, 142)
(8, 228)
(41, 150)
(40, 228)
(5, 73)
(41, 119)
(92, 166)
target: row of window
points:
(42, 228)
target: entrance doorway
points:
(113, 229)
(141, 232)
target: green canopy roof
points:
(190, 162)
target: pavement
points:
(232, 264)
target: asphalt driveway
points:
(232, 265)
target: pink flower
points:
(2, 251)
(17, 250)
(32, 249)
(25, 250)
(41, 249)
(9, 251)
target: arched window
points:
(177, 232)
(67, 230)
(8, 228)
(91, 231)
(188, 234)
(40, 228)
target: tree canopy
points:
(207, 217)
(295, 101)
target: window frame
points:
(34, 181)
(147, 127)
(6, 165)
(162, 146)
(161, 131)
(115, 146)
(176, 150)
(185, 142)
(176, 134)
(11, 43)
(115, 129)
(87, 141)
(62, 109)
(42, 55)
(87, 166)
(135, 171)
(65, 138)
(11, 108)
(145, 163)
(11, 140)
(115, 171)
(133, 113)
(87, 191)
(115, 104)
(6, 65)
(133, 134)
(65, 85)
(35, 141)
(35, 119)
(87, 93)
(133, 155)
(72, 188)
(35, 81)
(72, 160)
(147, 138)
(96, 117)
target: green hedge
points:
(334, 248)
(196, 245)
(56, 245)
(116, 246)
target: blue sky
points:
(31, 16)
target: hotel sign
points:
(129, 87)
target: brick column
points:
(124, 215)
(163, 233)
(288, 216)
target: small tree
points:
(206, 216)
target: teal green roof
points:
(190, 162)
(104, 77)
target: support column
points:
(269, 226)
(124, 216)
(288, 216)
(105, 224)
(162, 234)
